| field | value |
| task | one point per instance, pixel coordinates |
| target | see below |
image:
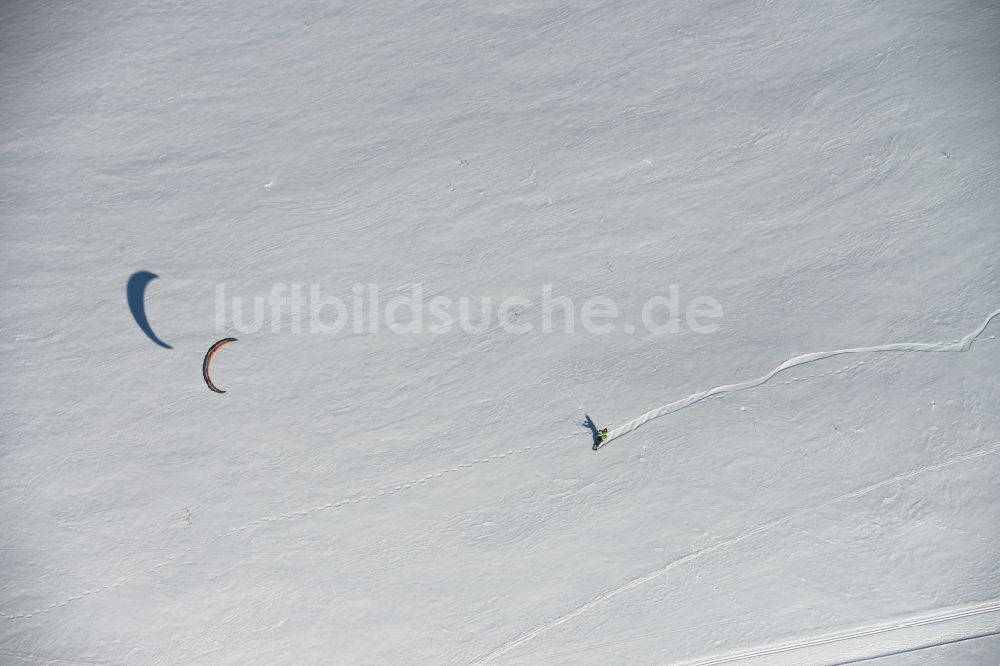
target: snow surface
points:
(825, 171)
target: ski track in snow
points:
(358, 498)
(721, 545)
(956, 346)
(941, 626)
(878, 638)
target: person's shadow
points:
(589, 423)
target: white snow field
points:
(825, 172)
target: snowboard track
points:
(961, 345)
(359, 497)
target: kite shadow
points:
(135, 292)
(589, 424)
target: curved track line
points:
(763, 527)
(956, 346)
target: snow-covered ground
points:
(826, 173)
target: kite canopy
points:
(208, 360)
